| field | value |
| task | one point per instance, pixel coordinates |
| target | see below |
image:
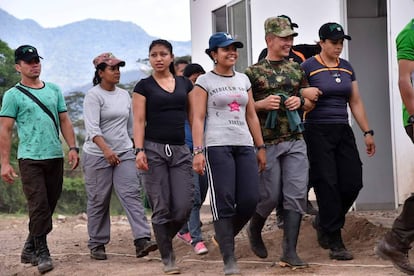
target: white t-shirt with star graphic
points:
(226, 123)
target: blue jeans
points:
(193, 224)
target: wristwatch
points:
(410, 119)
(370, 132)
(136, 150)
(75, 149)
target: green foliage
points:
(8, 74)
(74, 104)
(12, 199)
(73, 198)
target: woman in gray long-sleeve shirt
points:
(108, 160)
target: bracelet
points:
(75, 149)
(263, 146)
(198, 148)
(197, 152)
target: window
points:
(234, 18)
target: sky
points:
(167, 19)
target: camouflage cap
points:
(279, 26)
(108, 59)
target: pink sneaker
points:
(186, 237)
(200, 248)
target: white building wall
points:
(201, 29)
(300, 11)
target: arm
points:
(69, 135)
(271, 102)
(358, 110)
(6, 129)
(405, 69)
(138, 107)
(198, 109)
(311, 96)
(254, 126)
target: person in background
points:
(192, 71)
(224, 148)
(278, 85)
(190, 233)
(179, 66)
(39, 153)
(396, 243)
(108, 160)
(160, 110)
(335, 165)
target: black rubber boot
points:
(337, 248)
(225, 238)
(143, 246)
(28, 255)
(391, 248)
(310, 209)
(254, 232)
(45, 263)
(164, 240)
(322, 236)
(291, 227)
(238, 223)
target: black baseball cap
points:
(293, 25)
(26, 53)
(332, 31)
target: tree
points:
(8, 74)
(74, 104)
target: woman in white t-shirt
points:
(222, 98)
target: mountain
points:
(68, 50)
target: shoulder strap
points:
(42, 106)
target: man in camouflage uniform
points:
(277, 84)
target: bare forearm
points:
(139, 134)
(255, 130)
(5, 146)
(358, 111)
(68, 134)
(407, 95)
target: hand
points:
(8, 174)
(141, 161)
(199, 163)
(73, 159)
(311, 93)
(271, 102)
(111, 157)
(292, 103)
(370, 145)
(261, 159)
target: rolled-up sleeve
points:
(92, 115)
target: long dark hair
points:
(167, 45)
(97, 79)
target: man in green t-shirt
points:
(394, 246)
(39, 154)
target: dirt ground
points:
(68, 246)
